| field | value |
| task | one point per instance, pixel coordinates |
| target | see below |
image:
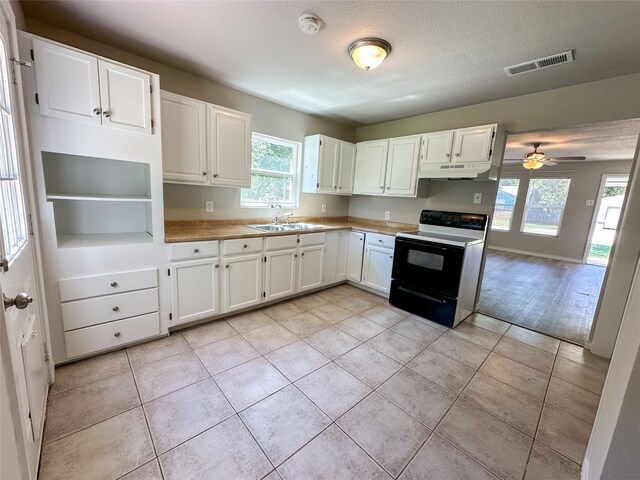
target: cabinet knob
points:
(379, 240)
(106, 113)
(335, 186)
(226, 266)
(116, 308)
(295, 256)
(457, 154)
(339, 188)
(217, 266)
(381, 187)
(391, 257)
(97, 111)
(298, 240)
(215, 175)
(388, 187)
(117, 334)
(114, 284)
(302, 254)
(447, 155)
(245, 246)
(196, 250)
(204, 174)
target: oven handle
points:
(422, 295)
(425, 244)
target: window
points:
(505, 203)
(546, 199)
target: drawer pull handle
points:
(245, 246)
(457, 154)
(116, 308)
(117, 334)
(114, 284)
(204, 173)
(380, 240)
(196, 250)
(215, 175)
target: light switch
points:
(323, 208)
(208, 206)
(477, 198)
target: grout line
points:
(144, 413)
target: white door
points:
(328, 165)
(354, 256)
(184, 139)
(229, 147)
(194, 290)
(472, 145)
(242, 281)
(68, 84)
(310, 267)
(376, 271)
(341, 255)
(402, 166)
(22, 338)
(436, 148)
(371, 164)
(125, 96)
(281, 273)
(347, 168)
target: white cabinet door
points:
(354, 256)
(347, 168)
(229, 147)
(402, 166)
(281, 273)
(242, 281)
(194, 290)
(376, 271)
(335, 256)
(341, 255)
(184, 139)
(472, 145)
(125, 97)
(310, 267)
(328, 165)
(371, 164)
(436, 148)
(68, 85)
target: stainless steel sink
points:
(272, 227)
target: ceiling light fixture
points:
(533, 160)
(368, 53)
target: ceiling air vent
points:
(530, 66)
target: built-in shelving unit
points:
(98, 201)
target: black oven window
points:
(425, 260)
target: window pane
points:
(546, 199)
(271, 156)
(505, 203)
(268, 189)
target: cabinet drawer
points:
(85, 287)
(381, 240)
(110, 335)
(192, 250)
(279, 243)
(93, 311)
(312, 239)
(242, 245)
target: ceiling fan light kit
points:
(368, 53)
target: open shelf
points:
(98, 197)
(83, 240)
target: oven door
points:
(428, 266)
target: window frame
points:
(515, 203)
(527, 206)
(294, 175)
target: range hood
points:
(460, 171)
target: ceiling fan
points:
(534, 160)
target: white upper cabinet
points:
(388, 167)
(328, 165)
(371, 167)
(229, 147)
(77, 86)
(436, 148)
(184, 138)
(472, 145)
(203, 144)
(402, 167)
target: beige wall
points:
(187, 201)
(576, 221)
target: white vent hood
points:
(461, 171)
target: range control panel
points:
(471, 221)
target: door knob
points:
(21, 301)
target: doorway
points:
(604, 225)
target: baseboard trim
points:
(536, 254)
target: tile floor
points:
(333, 385)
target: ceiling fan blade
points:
(511, 160)
(567, 159)
(547, 162)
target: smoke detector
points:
(309, 23)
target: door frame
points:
(596, 210)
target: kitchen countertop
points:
(201, 230)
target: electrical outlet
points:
(208, 206)
(589, 203)
(323, 208)
(477, 198)
(387, 215)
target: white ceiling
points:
(601, 141)
(445, 54)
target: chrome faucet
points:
(277, 215)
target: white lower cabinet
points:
(335, 256)
(281, 273)
(354, 256)
(242, 281)
(378, 262)
(310, 267)
(195, 286)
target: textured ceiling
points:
(445, 54)
(601, 141)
